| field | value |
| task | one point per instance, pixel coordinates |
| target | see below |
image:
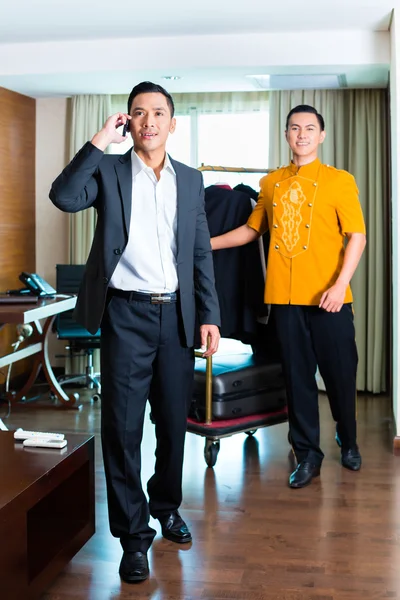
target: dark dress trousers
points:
(146, 349)
(310, 336)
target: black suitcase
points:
(242, 385)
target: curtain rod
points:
(204, 167)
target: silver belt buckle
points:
(157, 299)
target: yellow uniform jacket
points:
(308, 210)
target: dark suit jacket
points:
(104, 181)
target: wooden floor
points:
(253, 537)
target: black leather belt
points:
(154, 298)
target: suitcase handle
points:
(208, 403)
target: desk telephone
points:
(35, 285)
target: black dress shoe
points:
(134, 567)
(303, 475)
(174, 528)
(351, 459)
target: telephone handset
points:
(36, 285)
(126, 128)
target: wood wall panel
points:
(17, 198)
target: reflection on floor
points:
(253, 537)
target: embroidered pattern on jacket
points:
(292, 202)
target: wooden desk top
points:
(20, 467)
(26, 313)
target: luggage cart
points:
(213, 431)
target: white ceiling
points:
(45, 22)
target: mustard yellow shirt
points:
(308, 210)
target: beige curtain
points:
(356, 140)
(226, 102)
(88, 114)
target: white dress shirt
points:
(148, 263)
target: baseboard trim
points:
(396, 445)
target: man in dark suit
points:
(149, 270)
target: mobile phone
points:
(125, 129)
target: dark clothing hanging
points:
(242, 187)
(238, 274)
(239, 278)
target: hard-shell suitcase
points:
(242, 385)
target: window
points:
(233, 140)
(179, 143)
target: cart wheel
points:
(211, 450)
(96, 397)
(251, 432)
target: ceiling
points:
(47, 20)
(44, 22)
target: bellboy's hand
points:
(108, 134)
(332, 300)
(210, 334)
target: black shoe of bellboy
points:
(351, 458)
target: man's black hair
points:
(147, 87)
(305, 108)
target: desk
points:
(46, 308)
(47, 511)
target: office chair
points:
(68, 280)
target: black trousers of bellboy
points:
(143, 357)
(311, 337)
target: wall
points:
(51, 223)
(395, 171)
(51, 158)
(342, 47)
(17, 198)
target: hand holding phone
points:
(110, 132)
